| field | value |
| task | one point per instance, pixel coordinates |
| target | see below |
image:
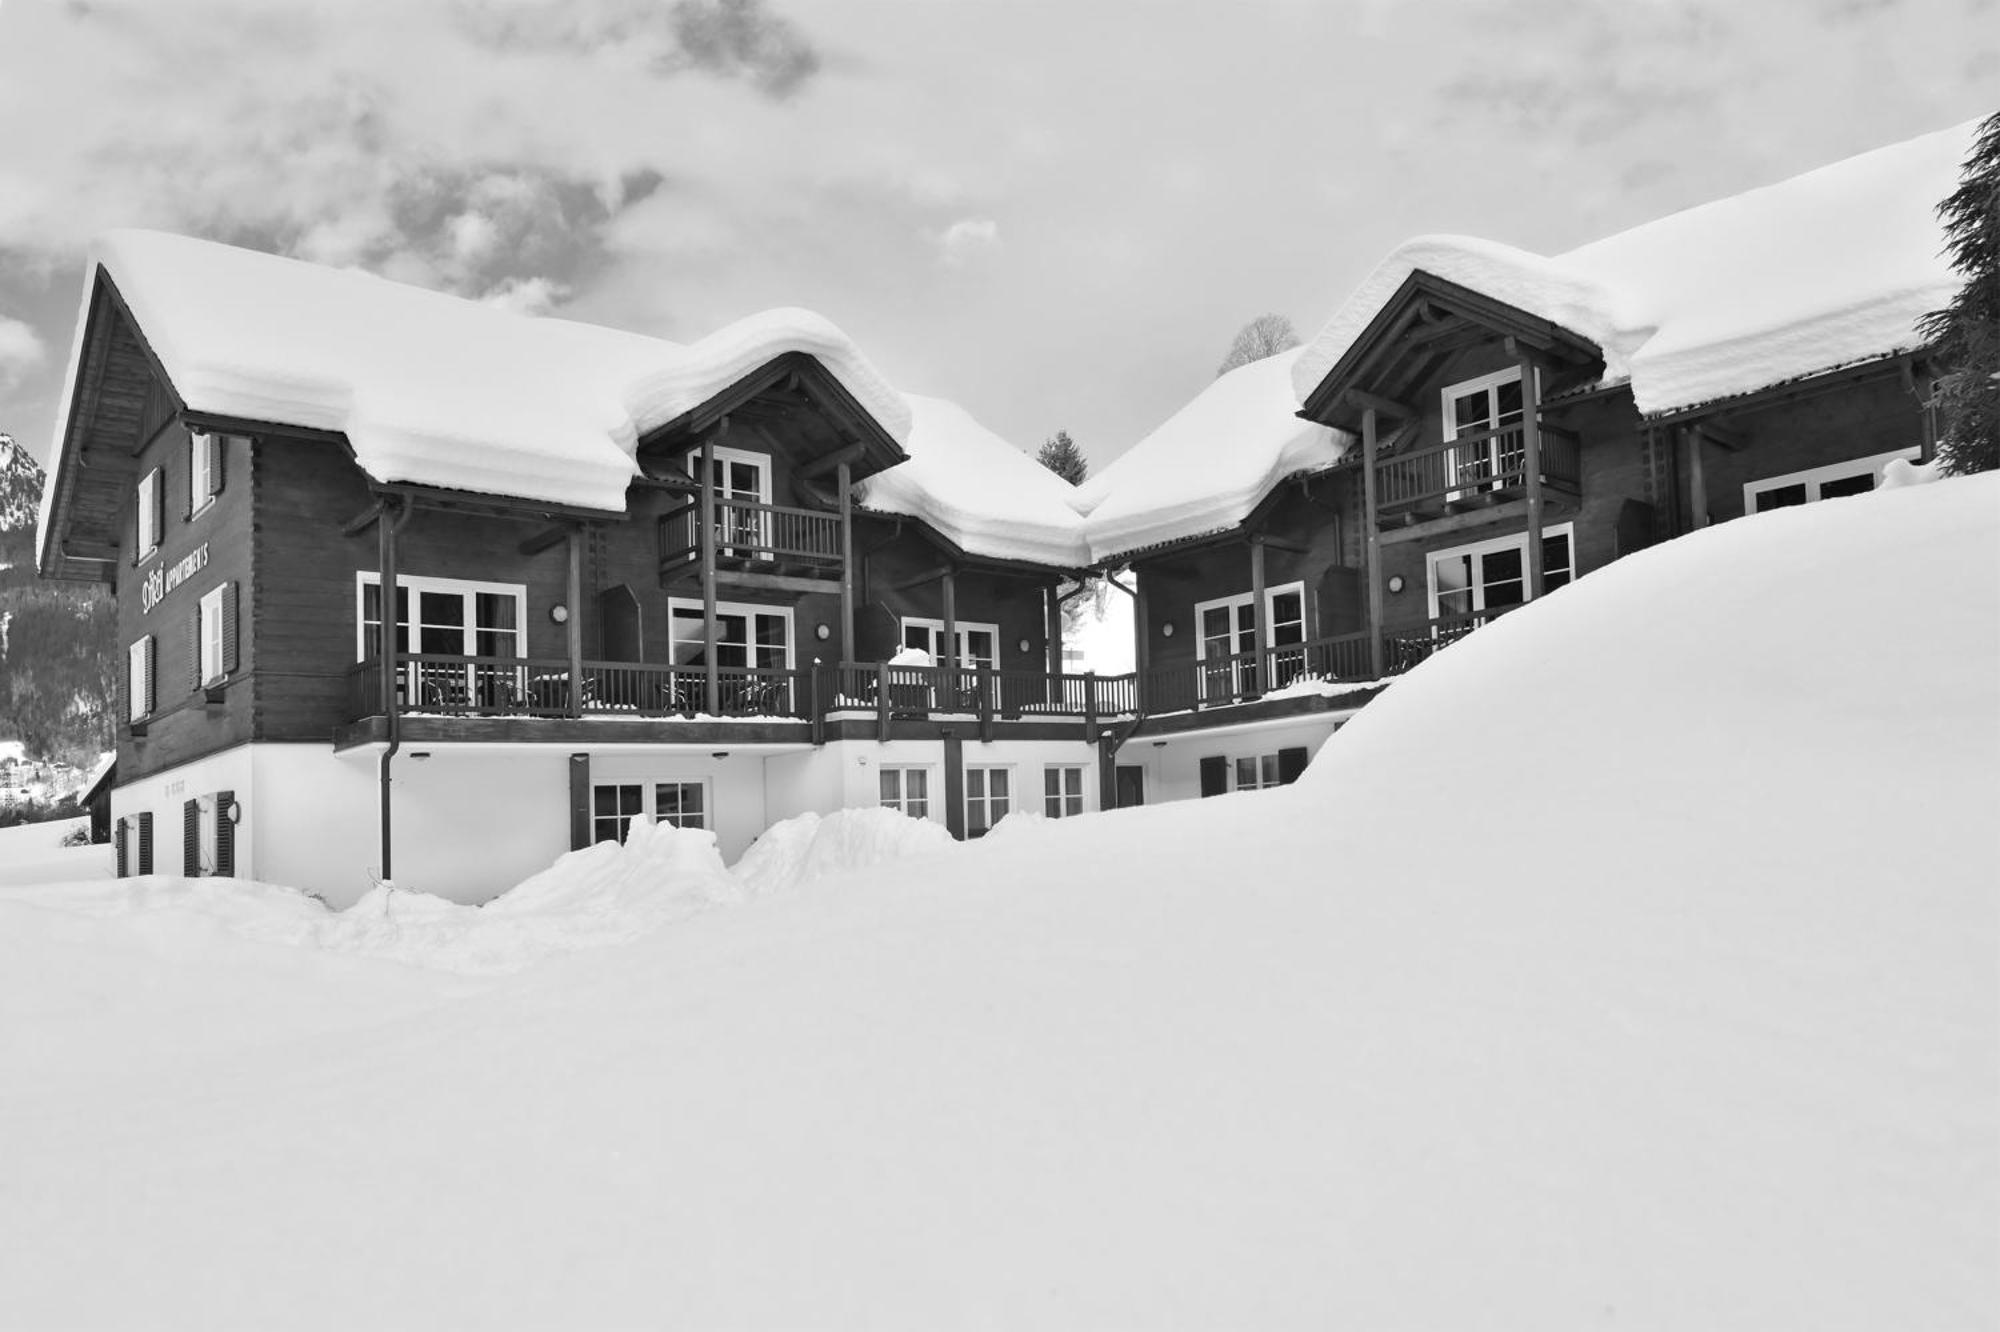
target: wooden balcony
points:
(1479, 469)
(1241, 677)
(752, 539)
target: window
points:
(746, 636)
(210, 623)
(1221, 774)
(986, 802)
(443, 621)
(1492, 575)
(1485, 414)
(1855, 477)
(907, 789)
(978, 644)
(613, 807)
(204, 469)
(1254, 772)
(1228, 642)
(683, 804)
(1062, 790)
(739, 479)
(139, 678)
(149, 513)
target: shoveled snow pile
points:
(1825, 269)
(981, 492)
(430, 388)
(610, 893)
(1630, 963)
(1210, 463)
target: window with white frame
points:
(445, 622)
(1484, 415)
(613, 806)
(739, 478)
(139, 678)
(683, 804)
(202, 447)
(1493, 575)
(1227, 629)
(746, 636)
(149, 513)
(987, 799)
(1062, 790)
(978, 644)
(1857, 476)
(907, 789)
(212, 622)
(1253, 772)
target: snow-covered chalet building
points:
(727, 582)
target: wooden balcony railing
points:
(746, 531)
(1220, 681)
(1480, 463)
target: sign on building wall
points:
(154, 586)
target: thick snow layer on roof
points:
(1819, 271)
(434, 390)
(981, 492)
(1211, 462)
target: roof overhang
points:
(1428, 320)
(779, 395)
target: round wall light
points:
(559, 613)
(1167, 629)
(822, 633)
(1025, 645)
(1395, 582)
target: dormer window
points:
(149, 513)
(742, 484)
(1485, 413)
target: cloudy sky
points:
(1057, 212)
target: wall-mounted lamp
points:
(1025, 645)
(1167, 629)
(1395, 582)
(1159, 744)
(559, 613)
(822, 633)
(420, 754)
(233, 811)
(720, 754)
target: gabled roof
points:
(1208, 465)
(1811, 274)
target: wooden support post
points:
(847, 652)
(574, 625)
(1052, 600)
(1090, 707)
(1142, 631)
(950, 654)
(391, 668)
(1531, 463)
(1258, 619)
(1697, 482)
(711, 690)
(881, 700)
(1373, 530)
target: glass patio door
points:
(1485, 413)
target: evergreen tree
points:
(1266, 335)
(1965, 335)
(1060, 455)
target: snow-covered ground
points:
(1631, 964)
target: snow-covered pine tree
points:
(1965, 335)
(1060, 455)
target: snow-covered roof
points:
(1209, 464)
(1823, 270)
(434, 390)
(980, 492)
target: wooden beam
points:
(1697, 481)
(711, 684)
(950, 619)
(1375, 402)
(834, 461)
(1511, 512)
(1283, 543)
(845, 472)
(362, 521)
(543, 540)
(930, 575)
(1372, 528)
(574, 625)
(1722, 436)
(1403, 434)
(1531, 462)
(773, 582)
(1259, 619)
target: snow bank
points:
(1823, 270)
(1209, 464)
(982, 493)
(810, 847)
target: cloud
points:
(730, 38)
(21, 352)
(966, 238)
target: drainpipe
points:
(387, 528)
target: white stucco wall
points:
(163, 794)
(735, 788)
(1173, 768)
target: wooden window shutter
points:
(146, 842)
(1291, 762)
(229, 629)
(191, 838)
(225, 833)
(194, 649)
(1214, 776)
(159, 505)
(152, 693)
(218, 449)
(118, 845)
(579, 801)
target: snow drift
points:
(1631, 962)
